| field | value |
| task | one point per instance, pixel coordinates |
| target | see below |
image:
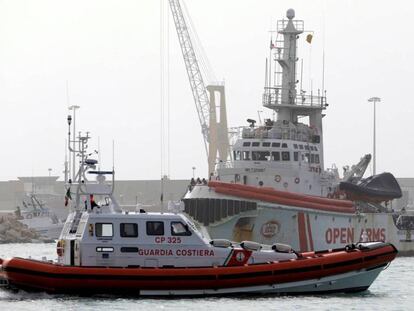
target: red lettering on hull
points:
(347, 235)
(374, 234)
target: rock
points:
(14, 234)
(3, 228)
(13, 231)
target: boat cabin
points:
(150, 240)
(271, 161)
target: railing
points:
(280, 52)
(224, 164)
(281, 25)
(273, 97)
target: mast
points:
(280, 92)
(287, 59)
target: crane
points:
(214, 132)
(357, 171)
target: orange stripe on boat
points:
(302, 233)
(283, 194)
(282, 200)
(309, 232)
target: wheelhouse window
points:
(260, 155)
(179, 229)
(104, 230)
(155, 228)
(285, 156)
(276, 156)
(277, 145)
(237, 155)
(129, 230)
(246, 144)
(295, 146)
(255, 144)
(306, 147)
(266, 144)
(296, 156)
(301, 147)
(246, 156)
(284, 145)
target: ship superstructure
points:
(277, 189)
(285, 153)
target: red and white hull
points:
(343, 270)
(304, 226)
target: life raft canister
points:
(60, 248)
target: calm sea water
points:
(393, 290)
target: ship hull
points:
(349, 269)
(305, 229)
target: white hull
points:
(44, 226)
(346, 282)
(304, 229)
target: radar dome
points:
(290, 13)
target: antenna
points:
(323, 71)
(323, 53)
(113, 155)
(270, 62)
(301, 74)
(66, 161)
(162, 194)
(99, 153)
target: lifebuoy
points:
(297, 180)
(278, 178)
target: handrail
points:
(273, 97)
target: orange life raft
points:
(283, 197)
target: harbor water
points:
(393, 290)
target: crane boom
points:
(195, 78)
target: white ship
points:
(38, 216)
(277, 189)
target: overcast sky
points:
(109, 52)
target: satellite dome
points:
(290, 13)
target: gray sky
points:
(109, 53)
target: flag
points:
(309, 38)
